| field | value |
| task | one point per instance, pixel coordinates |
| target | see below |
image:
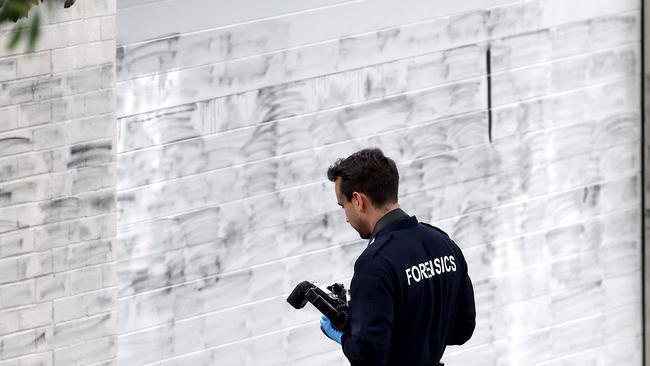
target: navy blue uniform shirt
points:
(410, 296)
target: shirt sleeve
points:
(371, 313)
(465, 321)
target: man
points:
(410, 292)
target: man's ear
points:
(357, 200)
(362, 201)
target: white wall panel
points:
(182, 16)
(228, 123)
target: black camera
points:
(333, 305)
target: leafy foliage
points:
(28, 24)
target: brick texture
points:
(58, 191)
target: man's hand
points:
(326, 327)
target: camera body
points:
(333, 305)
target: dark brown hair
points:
(367, 171)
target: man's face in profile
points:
(353, 213)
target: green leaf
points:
(34, 31)
(19, 7)
(16, 10)
(17, 33)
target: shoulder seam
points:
(436, 228)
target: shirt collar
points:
(390, 217)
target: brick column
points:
(57, 191)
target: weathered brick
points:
(33, 64)
(63, 208)
(98, 227)
(68, 58)
(109, 274)
(51, 235)
(87, 353)
(34, 113)
(68, 283)
(48, 137)
(108, 28)
(57, 14)
(83, 56)
(9, 219)
(67, 333)
(74, 231)
(99, 8)
(68, 33)
(37, 163)
(80, 255)
(15, 142)
(8, 270)
(36, 359)
(33, 265)
(18, 344)
(85, 279)
(58, 35)
(48, 88)
(93, 178)
(36, 188)
(36, 315)
(7, 70)
(108, 76)
(82, 81)
(99, 102)
(91, 128)
(67, 108)
(8, 118)
(88, 154)
(18, 293)
(51, 286)
(9, 321)
(16, 242)
(86, 304)
(8, 167)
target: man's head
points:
(366, 185)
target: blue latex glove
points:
(326, 327)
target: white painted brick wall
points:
(192, 263)
(57, 191)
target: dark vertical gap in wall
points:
(644, 338)
(488, 69)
